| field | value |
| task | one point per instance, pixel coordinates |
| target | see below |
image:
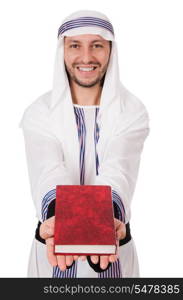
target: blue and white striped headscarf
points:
(85, 21)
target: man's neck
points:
(85, 96)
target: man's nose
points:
(86, 55)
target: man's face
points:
(86, 58)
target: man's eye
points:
(98, 46)
(74, 46)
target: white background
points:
(149, 35)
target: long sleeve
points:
(45, 167)
(120, 165)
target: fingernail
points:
(95, 260)
(112, 259)
(103, 266)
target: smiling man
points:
(89, 129)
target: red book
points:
(84, 220)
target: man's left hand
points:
(120, 229)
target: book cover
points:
(84, 220)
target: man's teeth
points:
(86, 69)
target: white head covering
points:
(86, 22)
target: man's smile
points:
(86, 71)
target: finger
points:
(113, 258)
(61, 260)
(76, 257)
(83, 257)
(46, 229)
(117, 249)
(94, 259)
(120, 228)
(69, 260)
(121, 232)
(46, 232)
(104, 260)
(50, 252)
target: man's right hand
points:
(47, 232)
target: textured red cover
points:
(84, 216)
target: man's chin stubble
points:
(84, 85)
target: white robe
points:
(47, 165)
(52, 146)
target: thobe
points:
(52, 129)
(41, 151)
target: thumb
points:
(46, 231)
(118, 234)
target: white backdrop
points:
(149, 35)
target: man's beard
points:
(99, 80)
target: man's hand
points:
(47, 233)
(120, 229)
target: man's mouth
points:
(84, 69)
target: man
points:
(88, 130)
